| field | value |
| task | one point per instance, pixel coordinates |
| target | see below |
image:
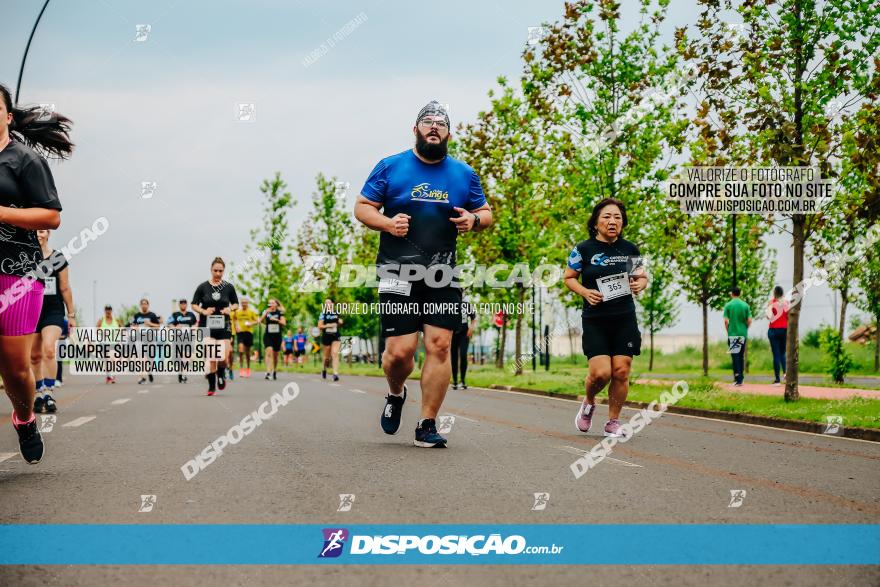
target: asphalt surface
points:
(103, 453)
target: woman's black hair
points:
(594, 217)
(778, 292)
(47, 134)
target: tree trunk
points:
(844, 301)
(877, 343)
(705, 338)
(651, 360)
(794, 314)
(518, 336)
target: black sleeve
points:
(233, 297)
(60, 261)
(38, 185)
(198, 295)
(155, 318)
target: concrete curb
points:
(869, 434)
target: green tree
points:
(659, 302)
(324, 243)
(508, 154)
(868, 276)
(610, 105)
(771, 85)
(266, 272)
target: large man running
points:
(420, 200)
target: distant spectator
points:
(737, 319)
(777, 313)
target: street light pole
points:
(26, 49)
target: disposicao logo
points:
(334, 540)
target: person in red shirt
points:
(777, 312)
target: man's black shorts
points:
(245, 338)
(434, 306)
(611, 335)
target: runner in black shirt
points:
(145, 319)
(611, 271)
(329, 323)
(213, 300)
(57, 302)
(426, 200)
(28, 202)
(461, 340)
(274, 320)
(182, 318)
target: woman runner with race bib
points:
(611, 272)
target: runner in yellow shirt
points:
(243, 321)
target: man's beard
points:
(431, 151)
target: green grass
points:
(811, 360)
(569, 379)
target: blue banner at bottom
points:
(633, 544)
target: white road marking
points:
(159, 385)
(143, 391)
(581, 452)
(357, 390)
(79, 421)
(336, 385)
(6, 455)
(120, 401)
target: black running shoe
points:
(427, 435)
(392, 412)
(274, 375)
(268, 376)
(30, 443)
(455, 386)
(463, 386)
(150, 375)
(324, 374)
(39, 404)
(335, 377)
(142, 380)
(180, 378)
(49, 404)
(221, 381)
(185, 379)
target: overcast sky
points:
(164, 110)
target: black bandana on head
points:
(433, 108)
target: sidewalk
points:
(768, 389)
(868, 381)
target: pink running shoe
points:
(613, 429)
(584, 418)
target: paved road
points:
(112, 444)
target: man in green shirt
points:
(737, 319)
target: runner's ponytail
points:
(47, 134)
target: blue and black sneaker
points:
(392, 412)
(49, 404)
(427, 435)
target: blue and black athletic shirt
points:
(427, 192)
(183, 318)
(593, 259)
(142, 318)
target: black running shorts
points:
(434, 306)
(272, 341)
(611, 335)
(245, 338)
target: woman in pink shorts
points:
(28, 202)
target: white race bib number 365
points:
(614, 286)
